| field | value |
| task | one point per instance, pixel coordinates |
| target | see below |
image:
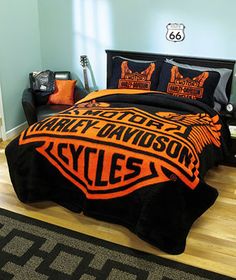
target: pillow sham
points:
(187, 83)
(64, 92)
(217, 106)
(220, 90)
(134, 74)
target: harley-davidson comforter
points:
(131, 157)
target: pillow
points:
(188, 83)
(217, 106)
(134, 74)
(64, 92)
(219, 94)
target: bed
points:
(135, 153)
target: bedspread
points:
(130, 157)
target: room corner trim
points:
(15, 131)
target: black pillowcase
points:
(134, 74)
(187, 83)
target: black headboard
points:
(207, 62)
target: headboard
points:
(207, 62)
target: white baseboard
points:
(12, 133)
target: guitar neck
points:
(86, 84)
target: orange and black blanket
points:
(131, 157)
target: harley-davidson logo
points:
(111, 152)
(186, 87)
(135, 80)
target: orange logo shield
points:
(135, 80)
(186, 87)
(111, 152)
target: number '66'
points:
(174, 36)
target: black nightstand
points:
(231, 159)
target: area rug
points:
(34, 250)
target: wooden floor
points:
(211, 243)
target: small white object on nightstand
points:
(232, 129)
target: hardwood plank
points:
(211, 243)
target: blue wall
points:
(19, 54)
(90, 26)
(54, 33)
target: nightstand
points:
(231, 160)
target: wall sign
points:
(175, 32)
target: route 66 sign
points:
(175, 32)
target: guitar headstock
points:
(84, 61)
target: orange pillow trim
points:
(64, 92)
